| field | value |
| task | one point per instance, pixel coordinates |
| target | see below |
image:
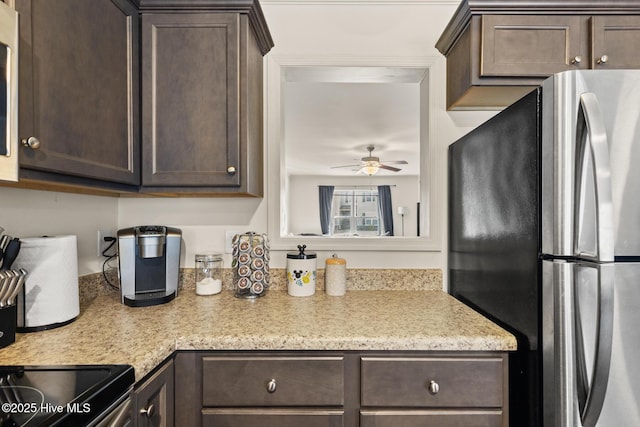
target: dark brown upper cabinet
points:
(530, 46)
(202, 96)
(615, 41)
(159, 97)
(496, 53)
(78, 92)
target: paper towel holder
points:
(45, 303)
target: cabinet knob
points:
(271, 385)
(434, 387)
(31, 142)
(603, 59)
(148, 411)
(576, 59)
(231, 170)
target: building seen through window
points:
(355, 212)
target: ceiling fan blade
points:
(346, 166)
(396, 162)
(389, 168)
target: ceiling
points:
(333, 113)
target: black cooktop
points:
(73, 395)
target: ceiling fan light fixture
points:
(370, 169)
(370, 165)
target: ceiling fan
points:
(370, 165)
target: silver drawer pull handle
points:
(434, 387)
(576, 60)
(271, 386)
(231, 170)
(31, 142)
(603, 59)
(148, 411)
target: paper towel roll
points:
(50, 297)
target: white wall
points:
(302, 27)
(31, 213)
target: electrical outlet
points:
(102, 245)
(228, 246)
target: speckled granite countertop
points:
(107, 332)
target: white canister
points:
(335, 276)
(301, 273)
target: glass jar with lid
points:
(208, 274)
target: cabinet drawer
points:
(294, 381)
(406, 382)
(430, 418)
(271, 418)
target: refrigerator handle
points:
(591, 394)
(590, 130)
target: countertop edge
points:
(108, 332)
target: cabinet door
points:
(190, 100)
(266, 417)
(616, 42)
(532, 45)
(471, 418)
(154, 403)
(79, 88)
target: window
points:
(355, 213)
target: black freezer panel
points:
(494, 236)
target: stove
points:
(74, 395)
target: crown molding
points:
(469, 8)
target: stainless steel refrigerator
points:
(544, 238)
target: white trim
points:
(432, 168)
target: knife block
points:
(8, 325)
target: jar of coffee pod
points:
(250, 265)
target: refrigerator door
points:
(593, 207)
(622, 401)
(616, 95)
(591, 346)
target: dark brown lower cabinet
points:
(273, 390)
(271, 418)
(435, 418)
(345, 389)
(153, 399)
(447, 390)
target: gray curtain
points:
(386, 209)
(325, 193)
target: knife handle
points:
(11, 253)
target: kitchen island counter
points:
(108, 332)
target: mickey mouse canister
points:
(301, 272)
(335, 276)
